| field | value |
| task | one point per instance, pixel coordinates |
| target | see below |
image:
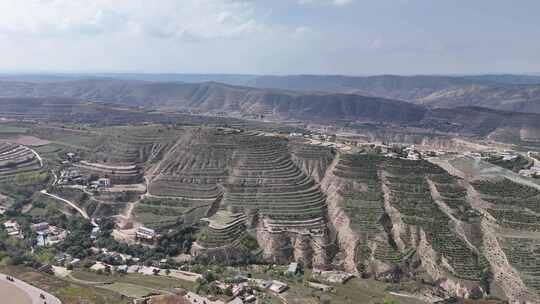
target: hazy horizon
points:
(118, 73)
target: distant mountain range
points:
(274, 104)
(517, 93)
(504, 92)
(215, 98)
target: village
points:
(233, 289)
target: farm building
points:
(145, 233)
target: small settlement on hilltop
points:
(351, 145)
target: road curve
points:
(33, 292)
(37, 156)
(81, 211)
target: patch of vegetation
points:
(504, 192)
(515, 165)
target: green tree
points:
(390, 301)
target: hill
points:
(218, 98)
(518, 93)
(336, 110)
(503, 92)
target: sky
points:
(349, 37)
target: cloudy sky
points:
(355, 37)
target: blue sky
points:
(354, 37)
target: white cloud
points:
(305, 32)
(176, 19)
(328, 2)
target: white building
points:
(94, 233)
(293, 268)
(509, 157)
(13, 229)
(145, 233)
(413, 155)
(275, 286)
(104, 182)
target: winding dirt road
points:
(80, 210)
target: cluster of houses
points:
(409, 152)
(242, 291)
(116, 257)
(48, 235)
(13, 229)
(73, 176)
(65, 259)
(507, 155)
(316, 136)
(533, 171)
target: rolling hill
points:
(519, 93)
(119, 101)
(211, 97)
(511, 93)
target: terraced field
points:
(224, 229)
(126, 174)
(265, 180)
(312, 159)
(134, 144)
(214, 170)
(191, 173)
(524, 255)
(411, 195)
(364, 205)
(516, 208)
(400, 210)
(16, 159)
(454, 195)
(163, 212)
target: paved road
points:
(33, 292)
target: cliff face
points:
(392, 223)
(347, 239)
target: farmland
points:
(231, 196)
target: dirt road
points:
(81, 211)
